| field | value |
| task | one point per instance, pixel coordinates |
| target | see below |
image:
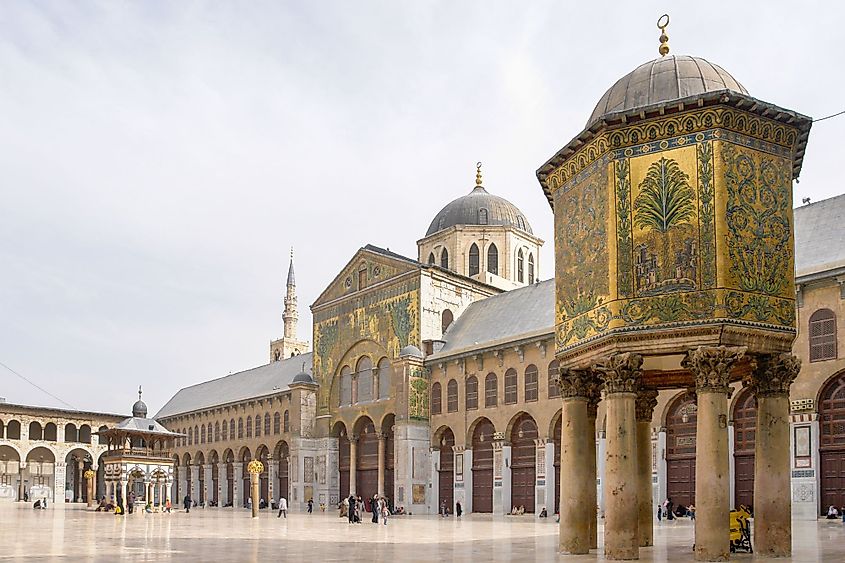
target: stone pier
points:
(646, 401)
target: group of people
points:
(671, 511)
(833, 513)
(445, 509)
(353, 507)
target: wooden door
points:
(343, 465)
(745, 426)
(680, 451)
(366, 475)
(446, 472)
(283, 478)
(556, 438)
(523, 462)
(833, 479)
(482, 467)
(832, 444)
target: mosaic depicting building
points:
(678, 317)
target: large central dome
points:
(663, 80)
(479, 207)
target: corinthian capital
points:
(622, 373)
(711, 366)
(580, 383)
(645, 403)
(594, 395)
(772, 374)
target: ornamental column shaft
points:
(353, 463)
(622, 374)
(770, 380)
(592, 414)
(381, 462)
(711, 368)
(575, 477)
(646, 401)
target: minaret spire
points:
(290, 315)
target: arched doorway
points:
(186, 468)
(745, 426)
(482, 466)
(77, 461)
(214, 460)
(523, 462)
(282, 457)
(40, 472)
(245, 458)
(680, 450)
(343, 458)
(556, 437)
(832, 442)
(10, 478)
(387, 433)
(264, 478)
(200, 463)
(366, 468)
(446, 469)
(229, 458)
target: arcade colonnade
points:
(628, 469)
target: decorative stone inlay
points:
(711, 366)
(622, 373)
(772, 374)
(578, 383)
(645, 403)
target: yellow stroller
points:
(741, 530)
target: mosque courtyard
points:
(73, 533)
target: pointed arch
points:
(530, 267)
(520, 266)
(493, 259)
(444, 259)
(474, 260)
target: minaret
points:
(289, 345)
(290, 315)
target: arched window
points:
(240, 428)
(71, 433)
(482, 216)
(277, 423)
(472, 393)
(345, 386)
(190, 436)
(13, 430)
(249, 427)
(822, 336)
(257, 425)
(446, 319)
(554, 370)
(493, 259)
(364, 376)
(196, 435)
(530, 267)
(532, 384)
(85, 434)
(225, 430)
(50, 433)
(473, 260)
(202, 434)
(232, 429)
(491, 391)
(287, 421)
(511, 393)
(35, 430)
(384, 373)
(266, 423)
(520, 264)
(216, 431)
(436, 398)
(444, 259)
(431, 259)
(452, 396)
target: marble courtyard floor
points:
(71, 533)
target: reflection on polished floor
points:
(72, 533)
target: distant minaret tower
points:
(288, 345)
(290, 315)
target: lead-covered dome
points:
(662, 80)
(479, 207)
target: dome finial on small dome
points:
(478, 173)
(662, 24)
(139, 392)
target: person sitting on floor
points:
(832, 513)
(544, 513)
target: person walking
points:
(168, 506)
(186, 502)
(384, 509)
(460, 510)
(374, 505)
(283, 507)
(659, 513)
(130, 504)
(351, 509)
(310, 505)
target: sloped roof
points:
(820, 236)
(137, 424)
(256, 382)
(509, 316)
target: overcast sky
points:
(158, 160)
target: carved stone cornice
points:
(645, 403)
(772, 374)
(577, 383)
(622, 373)
(594, 395)
(711, 366)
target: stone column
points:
(646, 401)
(255, 468)
(770, 380)
(353, 463)
(209, 483)
(195, 483)
(123, 496)
(711, 368)
(237, 478)
(381, 443)
(593, 398)
(576, 481)
(92, 492)
(622, 374)
(272, 478)
(222, 485)
(79, 467)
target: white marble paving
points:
(71, 533)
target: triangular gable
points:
(379, 265)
